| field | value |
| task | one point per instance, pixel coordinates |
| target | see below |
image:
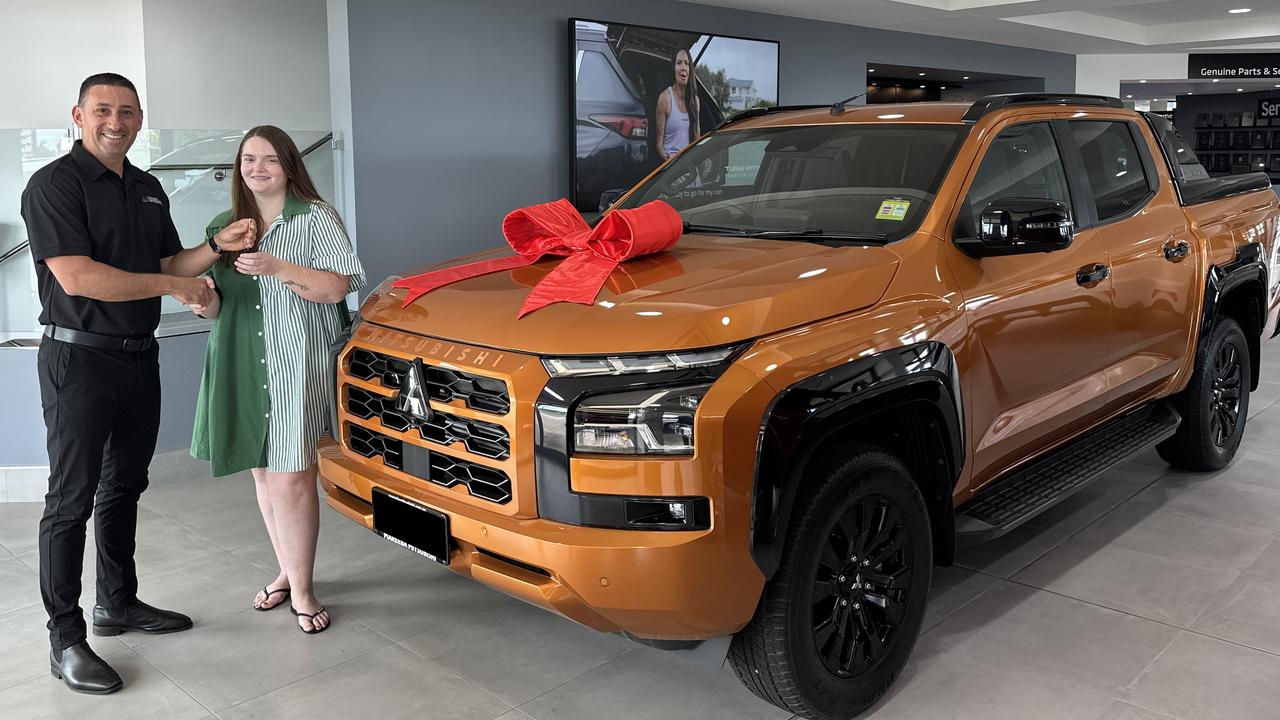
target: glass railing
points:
(194, 168)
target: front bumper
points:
(651, 584)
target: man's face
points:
(110, 119)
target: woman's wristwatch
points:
(214, 246)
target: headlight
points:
(633, 364)
(650, 421)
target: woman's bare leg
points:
(296, 507)
(268, 518)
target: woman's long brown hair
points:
(298, 183)
(690, 94)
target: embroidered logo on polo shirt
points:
(150, 199)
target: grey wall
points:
(460, 109)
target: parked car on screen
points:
(619, 71)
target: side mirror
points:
(608, 198)
(1016, 226)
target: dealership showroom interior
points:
(593, 359)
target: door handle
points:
(1091, 275)
(1176, 250)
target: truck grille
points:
(444, 385)
(387, 428)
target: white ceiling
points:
(1068, 26)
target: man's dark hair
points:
(109, 79)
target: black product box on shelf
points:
(1203, 119)
(1239, 140)
(1204, 140)
(1233, 119)
(1274, 165)
(1258, 139)
(1218, 120)
(1222, 141)
(1221, 163)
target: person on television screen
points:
(267, 380)
(677, 114)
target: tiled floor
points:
(1152, 595)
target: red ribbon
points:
(556, 228)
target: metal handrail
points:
(207, 166)
(14, 250)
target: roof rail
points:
(758, 111)
(991, 103)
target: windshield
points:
(858, 180)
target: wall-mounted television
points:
(641, 94)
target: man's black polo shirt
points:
(76, 206)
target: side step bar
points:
(1044, 483)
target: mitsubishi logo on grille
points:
(413, 398)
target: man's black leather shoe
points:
(83, 671)
(139, 617)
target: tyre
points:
(837, 622)
(1215, 405)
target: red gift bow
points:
(556, 228)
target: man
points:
(105, 250)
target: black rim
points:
(861, 589)
(1224, 404)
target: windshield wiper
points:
(817, 235)
(716, 230)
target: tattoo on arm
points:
(298, 285)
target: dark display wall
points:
(460, 109)
(1227, 134)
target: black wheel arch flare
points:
(1226, 292)
(804, 416)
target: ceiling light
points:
(920, 74)
(1217, 80)
(944, 87)
(1239, 89)
(966, 77)
(871, 69)
(1240, 11)
(1129, 97)
(921, 87)
(1142, 81)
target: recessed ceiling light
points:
(944, 87)
(966, 77)
(1128, 96)
(922, 87)
(1240, 11)
(920, 74)
(1142, 81)
(1239, 89)
(871, 69)
(1217, 80)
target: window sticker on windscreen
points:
(893, 209)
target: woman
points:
(267, 381)
(677, 114)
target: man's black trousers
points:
(102, 412)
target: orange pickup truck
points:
(887, 331)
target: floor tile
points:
(147, 695)
(388, 684)
(1005, 556)
(516, 651)
(1248, 614)
(210, 588)
(24, 646)
(241, 656)
(20, 526)
(19, 585)
(409, 595)
(1200, 678)
(342, 549)
(1124, 711)
(951, 589)
(1131, 581)
(1089, 646)
(1268, 563)
(644, 684)
(940, 685)
(1222, 498)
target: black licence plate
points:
(410, 525)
